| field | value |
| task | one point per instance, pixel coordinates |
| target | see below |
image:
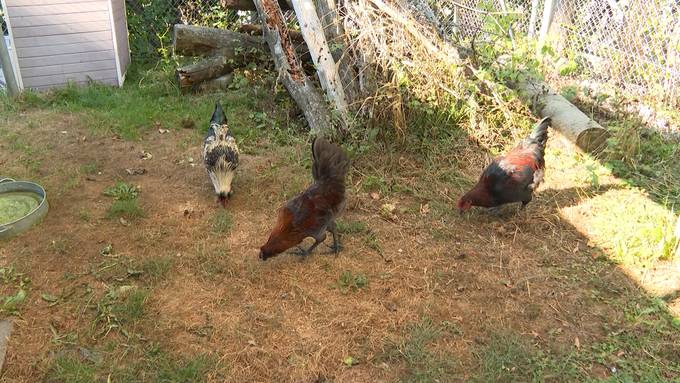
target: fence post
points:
(7, 68)
(548, 13)
(531, 31)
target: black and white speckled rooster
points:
(220, 155)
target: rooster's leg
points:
(336, 242)
(494, 211)
(317, 240)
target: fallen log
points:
(219, 83)
(248, 5)
(290, 69)
(566, 118)
(254, 29)
(190, 76)
(190, 40)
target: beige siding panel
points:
(106, 81)
(85, 67)
(32, 21)
(35, 10)
(20, 3)
(27, 42)
(66, 59)
(50, 30)
(65, 49)
(30, 82)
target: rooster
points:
(220, 155)
(312, 213)
(513, 177)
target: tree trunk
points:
(256, 29)
(566, 118)
(313, 33)
(190, 40)
(248, 5)
(334, 31)
(308, 98)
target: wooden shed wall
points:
(121, 34)
(57, 41)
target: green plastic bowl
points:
(32, 217)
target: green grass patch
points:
(421, 363)
(351, 282)
(221, 222)
(71, 369)
(508, 358)
(157, 268)
(352, 227)
(128, 209)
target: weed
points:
(373, 242)
(122, 192)
(119, 306)
(351, 282)
(221, 222)
(18, 281)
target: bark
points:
(334, 30)
(190, 76)
(189, 40)
(219, 83)
(289, 66)
(327, 70)
(566, 118)
(248, 5)
(254, 29)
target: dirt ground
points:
(531, 274)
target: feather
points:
(513, 177)
(312, 213)
(220, 154)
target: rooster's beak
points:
(222, 199)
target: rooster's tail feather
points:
(218, 117)
(540, 133)
(330, 161)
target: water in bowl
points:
(16, 205)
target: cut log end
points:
(592, 140)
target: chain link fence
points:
(632, 45)
(628, 44)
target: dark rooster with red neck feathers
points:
(513, 177)
(312, 213)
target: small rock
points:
(190, 160)
(146, 155)
(460, 289)
(124, 222)
(135, 172)
(163, 131)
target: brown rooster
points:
(312, 213)
(513, 177)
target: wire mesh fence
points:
(629, 44)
